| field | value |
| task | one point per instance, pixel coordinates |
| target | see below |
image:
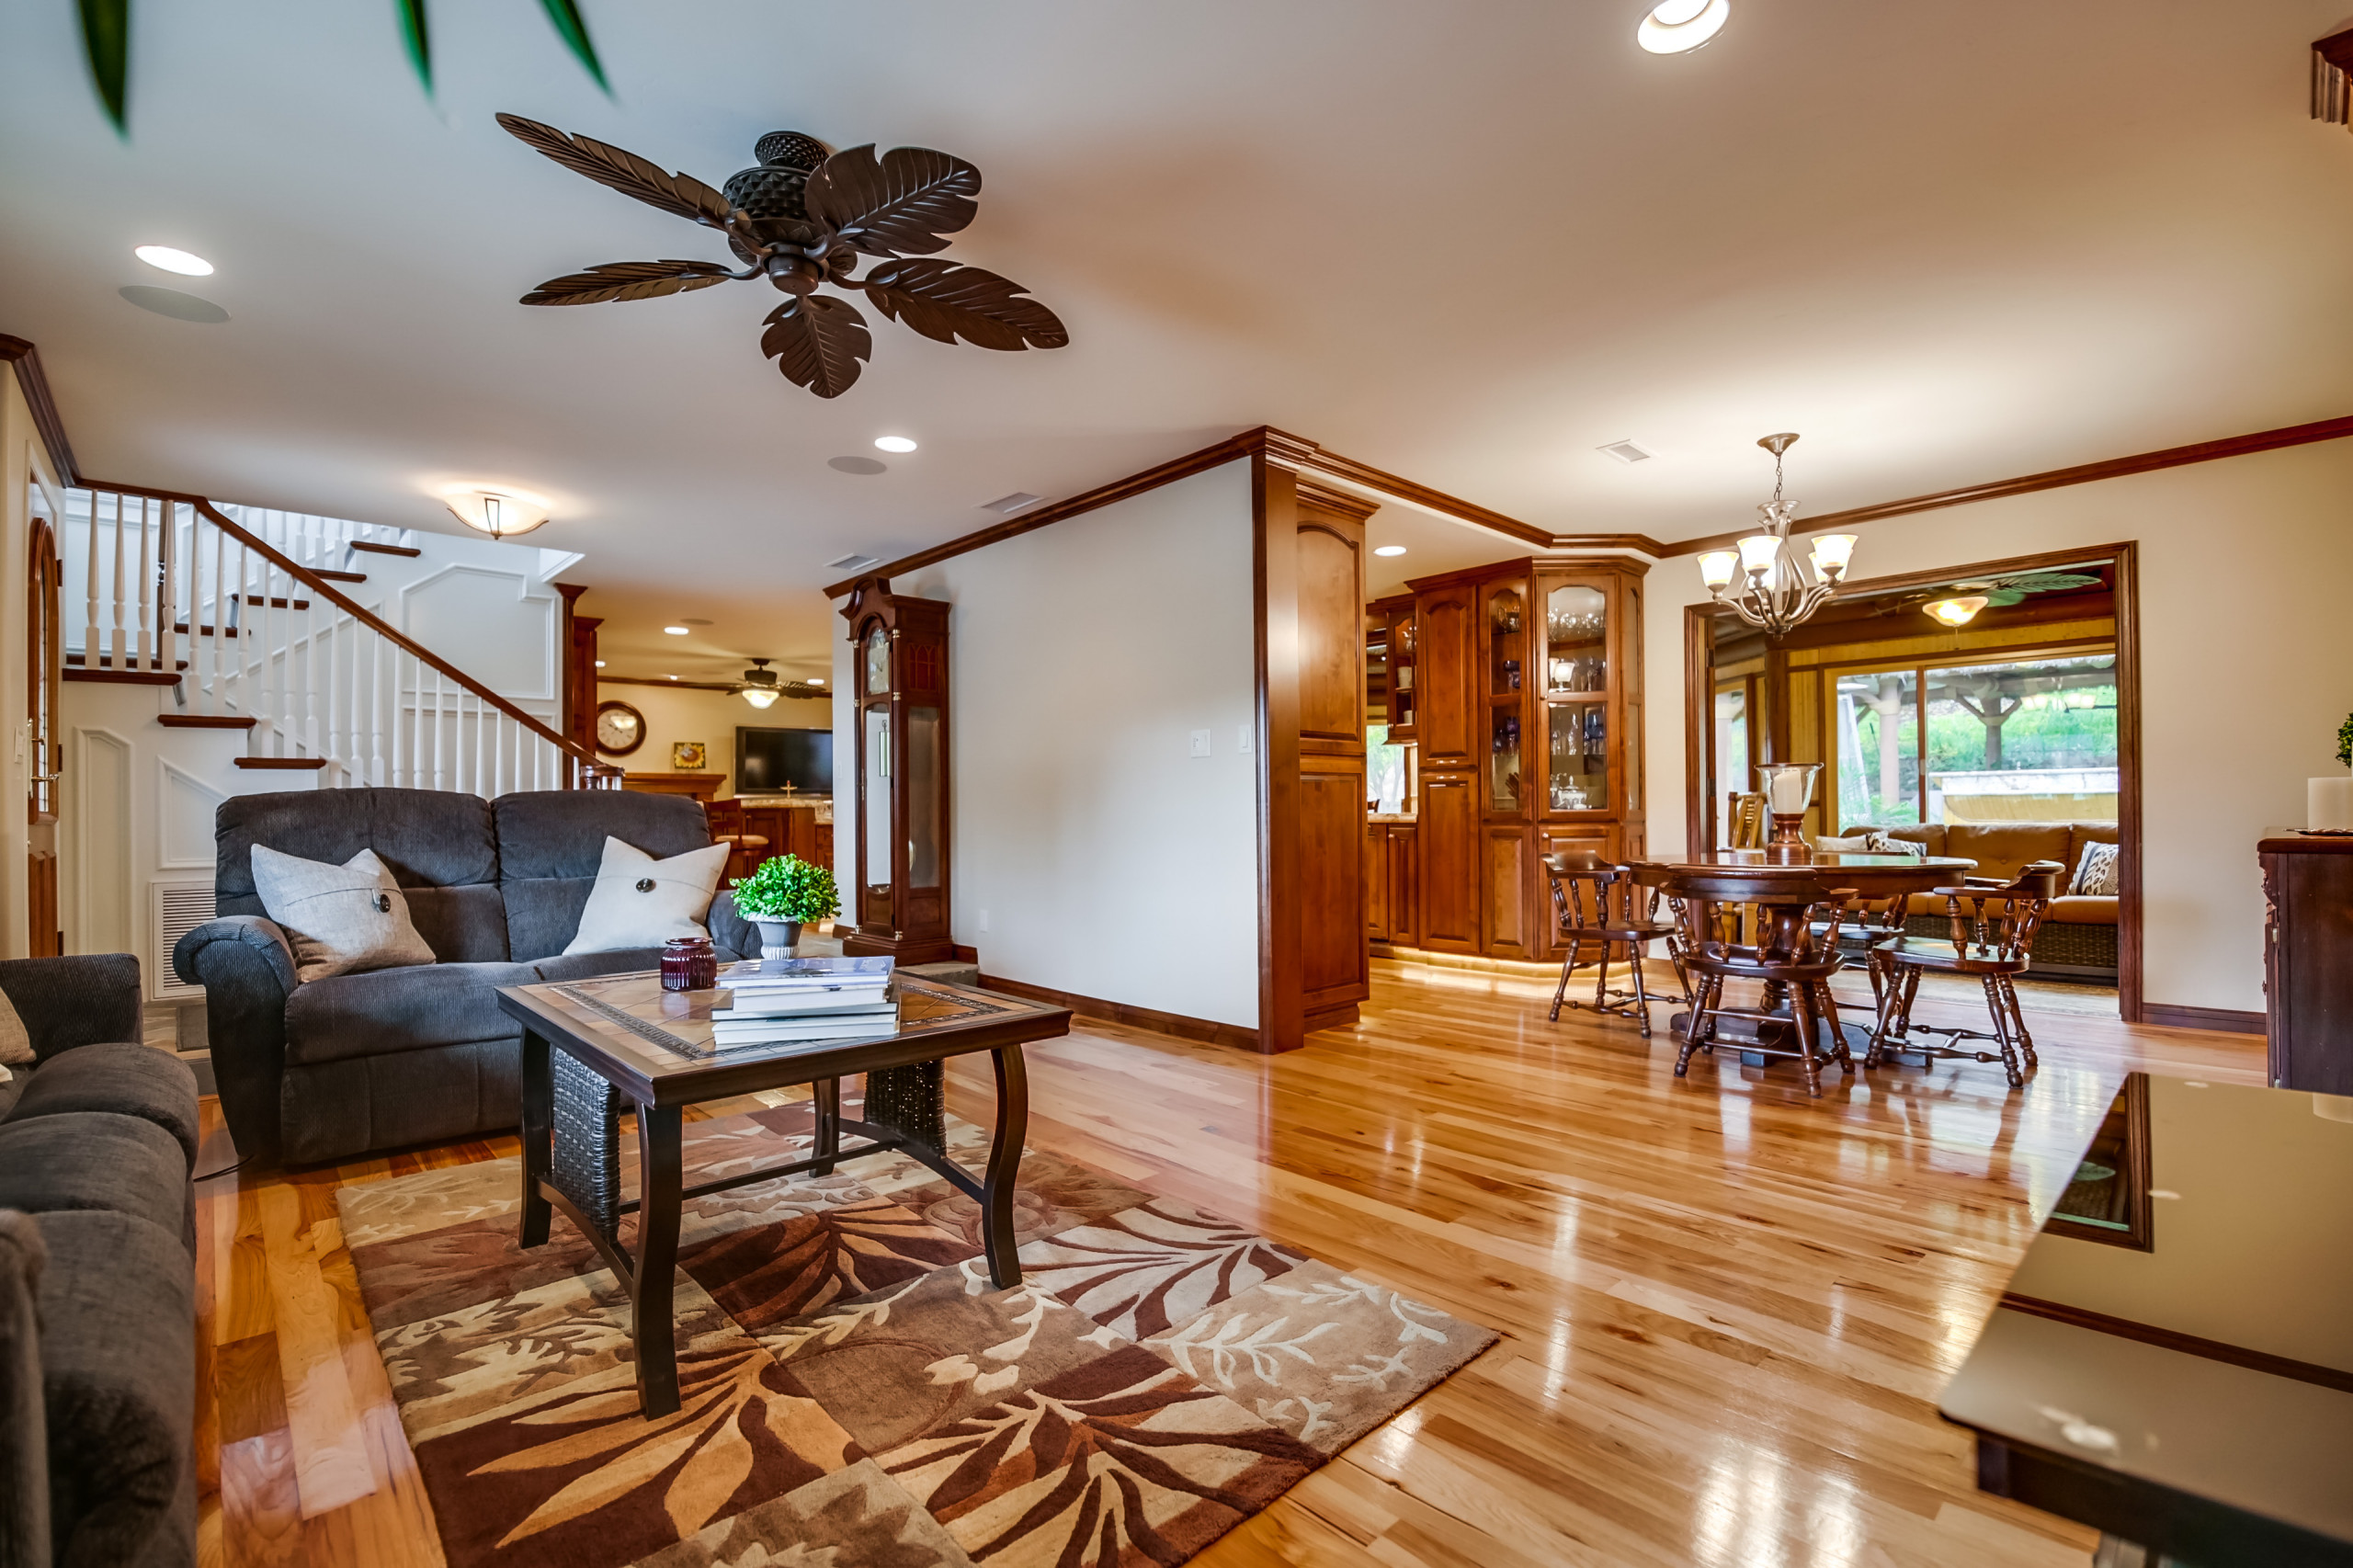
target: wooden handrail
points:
(590, 766)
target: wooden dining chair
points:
(1597, 903)
(1993, 925)
(1798, 977)
(1748, 820)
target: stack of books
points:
(784, 1001)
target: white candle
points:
(2328, 802)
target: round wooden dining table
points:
(1783, 889)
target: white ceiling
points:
(1947, 240)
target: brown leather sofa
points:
(2079, 936)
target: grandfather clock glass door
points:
(902, 815)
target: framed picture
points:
(686, 756)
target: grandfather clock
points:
(900, 653)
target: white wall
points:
(711, 717)
(2245, 674)
(1109, 861)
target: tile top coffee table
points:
(588, 1043)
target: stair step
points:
(205, 721)
(260, 602)
(106, 677)
(374, 548)
(304, 762)
(206, 632)
(105, 665)
(338, 576)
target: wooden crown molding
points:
(1300, 455)
(35, 382)
(1346, 502)
(2053, 478)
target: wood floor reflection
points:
(1727, 1308)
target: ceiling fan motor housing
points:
(773, 191)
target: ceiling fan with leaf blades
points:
(803, 218)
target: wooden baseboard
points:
(966, 955)
(1339, 1018)
(2226, 1020)
(1153, 1019)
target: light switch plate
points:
(1200, 742)
(1241, 739)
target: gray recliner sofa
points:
(98, 1278)
(345, 1065)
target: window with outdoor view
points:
(2031, 739)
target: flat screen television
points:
(768, 760)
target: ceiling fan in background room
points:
(803, 218)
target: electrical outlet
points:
(1200, 742)
(1241, 739)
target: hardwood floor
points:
(1727, 1309)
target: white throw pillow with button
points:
(640, 902)
(339, 919)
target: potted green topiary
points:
(783, 894)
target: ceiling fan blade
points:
(684, 195)
(945, 301)
(627, 281)
(898, 206)
(817, 341)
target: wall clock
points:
(620, 728)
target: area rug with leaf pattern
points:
(855, 1393)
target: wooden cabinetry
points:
(1392, 873)
(898, 890)
(1528, 687)
(2308, 960)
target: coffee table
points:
(588, 1043)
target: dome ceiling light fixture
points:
(185, 263)
(1777, 596)
(501, 514)
(1678, 26)
(1957, 613)
(803, 219)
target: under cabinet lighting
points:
(894, 444)
(1678, 27)
(1388, 549)
(185, 263)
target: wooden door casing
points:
(44, 666)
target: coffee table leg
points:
(539, 1116)
(1004, 1168)
(828, 1095)
(652, 1320)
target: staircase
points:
(254, 621)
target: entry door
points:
(44, 660)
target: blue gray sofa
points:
(98, 1278)
(343, 1066)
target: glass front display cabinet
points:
(900, 858)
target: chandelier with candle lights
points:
(1761, 582)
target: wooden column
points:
(578, 722)
(1314, 959)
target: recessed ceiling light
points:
(182, 262)
(1626, 452)
(1388, 549)
(894, 443)
(669, 677)
(600, 664)
(816, 680)
(1677, 27)
(676, 631)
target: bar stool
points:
(724, 820)
(1798, 975)
(1993, 925)
(1596, 901)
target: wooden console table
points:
(2307, 959)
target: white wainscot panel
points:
(185, 809)
(102, 823)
